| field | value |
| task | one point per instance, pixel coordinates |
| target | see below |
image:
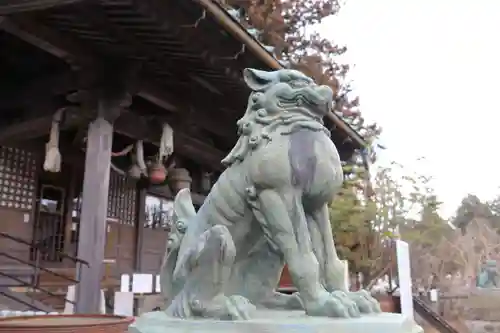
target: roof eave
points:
(238, 31)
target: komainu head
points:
(281, 101)
(287, 90)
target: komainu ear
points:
(258, 80)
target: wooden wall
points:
(153, 250)
(19, 224)
(136, 239)
(134, 242)
(121, 229)
(120, 249)
(154, 229)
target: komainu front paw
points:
(365, 302)
(223, 308)
(336, 304)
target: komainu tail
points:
(183, 213)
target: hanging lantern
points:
(157, 173)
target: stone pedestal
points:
(275, 321)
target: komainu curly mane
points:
(258, 122)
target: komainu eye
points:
(181, 227)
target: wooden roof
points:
(191, 55)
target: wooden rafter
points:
(161, 11)
(48, 40)
(162, 98)
(52, 42)
(94, 14)
(16, 6)
(37, 127)
(237, 30)
(45, 39)
(43, 88)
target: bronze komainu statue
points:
(268, 208)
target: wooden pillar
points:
(105, 89)
(70, 194)
(94, 213)
(140, 218)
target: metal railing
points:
(34, 284)
(432, 317)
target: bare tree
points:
(457, 257)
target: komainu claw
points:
(365, 302)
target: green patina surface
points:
(268, 208)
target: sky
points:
(427, 72)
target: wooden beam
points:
(40, 90)
(233, 27)
(52, 42)
(11, 7)
(128, 123)
(37, 99)
(162, 98)
(94, 13)
(37, 127)
(25, 130)
(134, 126)
(46, 39)
(56, 44)
(152, 96)
(92, 235)
(348, 130)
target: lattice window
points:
(159, 212)
(121, 199)
(17, 178)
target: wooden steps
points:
(55, 302)
(11, 300)
(57, 284)
(19, 272)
